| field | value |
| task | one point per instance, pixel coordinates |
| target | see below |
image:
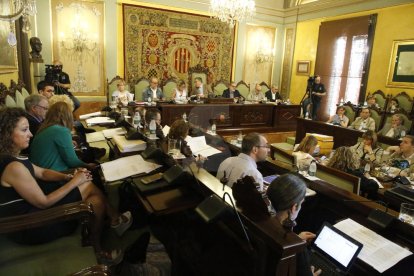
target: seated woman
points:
(27, 188)
(394, 106)
(286, 194)
(345, 160)
(180, 93)
(303, 153)
(122, 96)
(395, 129)
(52, 147)
(339, 118)
(367, 150)
(179, 131)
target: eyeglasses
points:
(265, 146)
(42, 107)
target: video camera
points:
(52, 73)
(311, 80)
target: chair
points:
(3, 93)
(339, 178)
(194, 72)
(243, 88)
(265, 87)
(219, 87)
(168, 88)
(139, 86)
(350, 112)
(112, 85)
(405, 101)
(378, 117)
(59, 257)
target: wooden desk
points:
(342, 136)
(231, 118)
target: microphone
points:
(380, 218)
(224, 180)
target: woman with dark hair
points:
(345, 160)
(27, 188)
(286, 194)
(303, 153)
(179, 131)
(339, 119)
(367, 150)
(52, 146)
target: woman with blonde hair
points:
(180, 93)
(303, 153)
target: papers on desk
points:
(94, 137)
(166, 130)
(89, 115)
(198, 145)
(111, 132)
(127, 166)
(125, 145)
(99, 120)
(376, 180)
(377, 252)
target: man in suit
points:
(395, 129)
(364, 121)
(231, 92)
(152, 91)
(273, 94)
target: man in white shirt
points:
(152, 91)
(364, 121)
(254, 149)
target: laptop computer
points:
(334, 251)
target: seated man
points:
(45, 89)
(256, 95)
(201, 90)
(273, 94)
(154, 114)
(254, 149)
(364, 121)
(122, 96)
(395, 129)
(152, 91)
(403, 152)
(231, 91)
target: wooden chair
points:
(22, 88)
(18, 97)
(405, 102)
(219, 87)
(243, 88)
(350, 112)
(265, 87)
(194, 72)
(169, 85)
(139, 86)
(339, 178)
(378, 117)
(63, 256)
(3, 93)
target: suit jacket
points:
(397, 131)
(34, 125)
(370, 123)
(226, 93)
(147, 93)
(268, 95)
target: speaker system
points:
(381, 218)
(175, 175)
(152, 152)
(212, 209)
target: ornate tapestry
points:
(164, 44)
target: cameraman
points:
(61, 82)
(317, 91)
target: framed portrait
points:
(8, 56)
(401, 69)
(303, 67)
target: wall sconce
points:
(265, 55)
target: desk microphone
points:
(378, 217)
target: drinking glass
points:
(124, 111)
(407, 213)
(173, 147)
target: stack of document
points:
(94, 137)
(127, 166)
(99, 120)
(198, 146)
(111, 132)
(125, 145)
(89, 115)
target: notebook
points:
(334, 251)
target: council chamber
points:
(227, 137)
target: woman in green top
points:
(52, 146)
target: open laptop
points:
(334, 251)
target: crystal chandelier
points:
(17, 9)
(230, 11)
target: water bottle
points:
(185, 117)
(137, 120)
(240, 138)
(306, 115)
(312, 168)
(402, 133)
(213, 129)
(149, 100)
(288, 102)
(341, 102)
(152, 128)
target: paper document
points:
(166, 130)
(111, 132)
(99, 120)
(94, 137)
(198, 145)
(376, 180)
(127, 166)
(125, 145)
(377, 252)
(89, 115)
